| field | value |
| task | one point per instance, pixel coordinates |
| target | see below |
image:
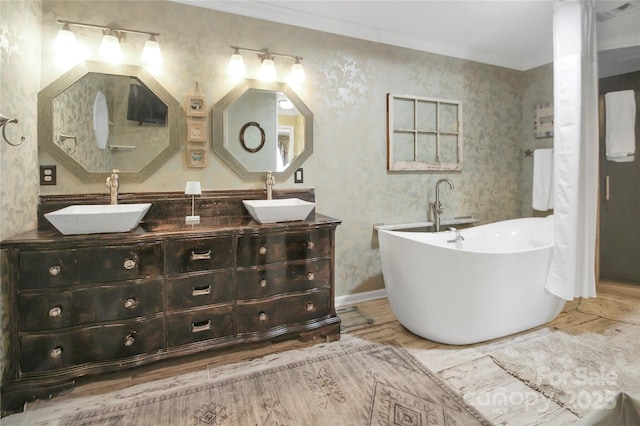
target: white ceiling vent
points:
(617, 11)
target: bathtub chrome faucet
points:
(436, 206)
(458, 237)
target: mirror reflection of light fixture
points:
(267, 71)
(236, 65)
(110, 46)
(192, 188)
(285, 104)
(151, 53)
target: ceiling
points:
(515, 34)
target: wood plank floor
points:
(467, 369)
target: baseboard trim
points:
(352, 299)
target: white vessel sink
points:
(284, 210)
(95, 219)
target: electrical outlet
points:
(298, 176)
(48, 175)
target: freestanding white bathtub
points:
(487, 286)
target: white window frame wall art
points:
(423, 134)
(543, 120)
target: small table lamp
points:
(193, 189)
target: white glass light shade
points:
(236, 66)
(110, 47)
(66, 43)
(297, 73)
(267, 70)
(193, 188)
(151, 53)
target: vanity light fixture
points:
(110, 45)
(267, 71)
(192, 188)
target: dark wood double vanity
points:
(91, 304)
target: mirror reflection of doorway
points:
(286, 146)
(619, 209)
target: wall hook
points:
(3, 123)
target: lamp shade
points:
(297, 73)
(193, 188)
(110, 47)
(267, 70)
(151, 53)
(236, 65)
(66, 43)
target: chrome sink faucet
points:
(112, 184)
(437, 205)
(269, 183)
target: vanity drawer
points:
(51, 311)
(60, 268)
(198, 325)
(199, 254)
(278, 247)
(193, 290)
(265, 315)
(270, 280)
(54, 351)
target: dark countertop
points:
(155, 230)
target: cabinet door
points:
(74, 347)
(56, 310)
(199, 254)
(61, 268)
(261, 249)
(265, 281)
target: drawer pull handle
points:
(310, 307)
(262, 251)
(130, 339)
(56, 352)
(55, 270)
(130, 303)
(263, 283)
(201, 256)
(202, 291)
(55, 312)
(263, 316)
(310, 245)
(311, 276)
(200, 326)
(129, 264)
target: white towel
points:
(542, 179)
(620, 138)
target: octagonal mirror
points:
(262, 126)
(98, 117)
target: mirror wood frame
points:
(220, 132)
(46, 138)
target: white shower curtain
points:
(572, 271)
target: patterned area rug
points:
(623, 310)
(582, 372)
(354, 383)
